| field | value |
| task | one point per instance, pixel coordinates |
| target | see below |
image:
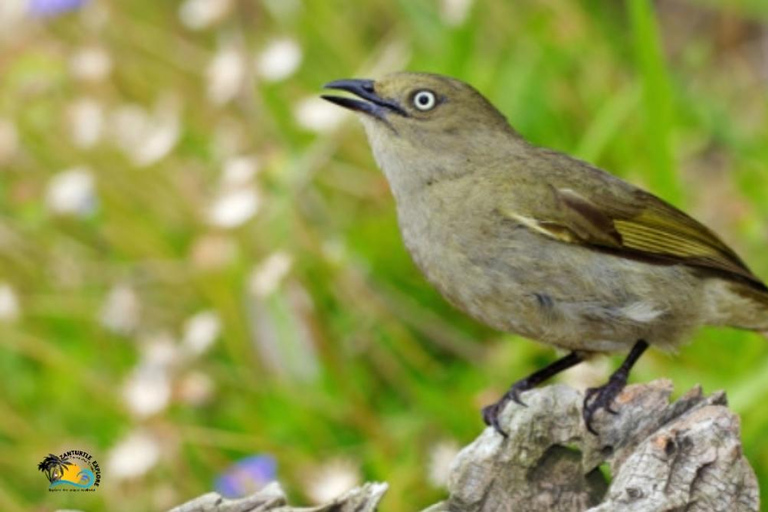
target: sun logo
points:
(73, 470)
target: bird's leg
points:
(491, 413)
(603, 397)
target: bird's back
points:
(734, 295)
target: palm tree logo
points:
(53, 467)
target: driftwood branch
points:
(680, 456)
(653, 456)
(272, 499)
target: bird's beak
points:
(375, 105)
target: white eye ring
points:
(424, 100)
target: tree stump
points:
(652, 456)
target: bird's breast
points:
(445, 240)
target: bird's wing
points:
(651, 230)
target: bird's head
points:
(423, 127)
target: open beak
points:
(375, 105)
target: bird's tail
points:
(762, 314)
(738, 305)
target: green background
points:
(371, 366)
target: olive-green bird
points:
(535, 242)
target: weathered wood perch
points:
(684, 456)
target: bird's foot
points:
(491, 413)
(601, 398)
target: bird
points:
(532, 241)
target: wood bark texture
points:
(652, 456)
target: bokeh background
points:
(200, 265)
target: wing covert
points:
(655, 230)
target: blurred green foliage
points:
(351, 355)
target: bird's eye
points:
(424, 100)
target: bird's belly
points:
(577, 300)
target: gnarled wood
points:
(272, 499)
(681, 456)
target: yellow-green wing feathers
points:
(648, 227)
(668, 231)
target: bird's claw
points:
(514, 395)
(601, 398)
(491, 413)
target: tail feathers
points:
(762, 313)
(737, 305)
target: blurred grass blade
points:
(657, 99)
(607, 124)
(749, 392)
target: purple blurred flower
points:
(247, 476)
(50, 8)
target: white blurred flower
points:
(332, 479)
(441, 457)
(121, 310)
(196, 388)
(147, 138)
(317, 115)
(239, 171)
(284, 338)
(147, 390)
(226, 75)
(91, 64)
(161, 139)
(455, 12)
(200, 332)
(11, 13)
(279, 60)
(71, 192)
(86, 122)
(9, 140)
(9, 303)
(266, 277)
(200, 14)
(234, 207)
(133, 456)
